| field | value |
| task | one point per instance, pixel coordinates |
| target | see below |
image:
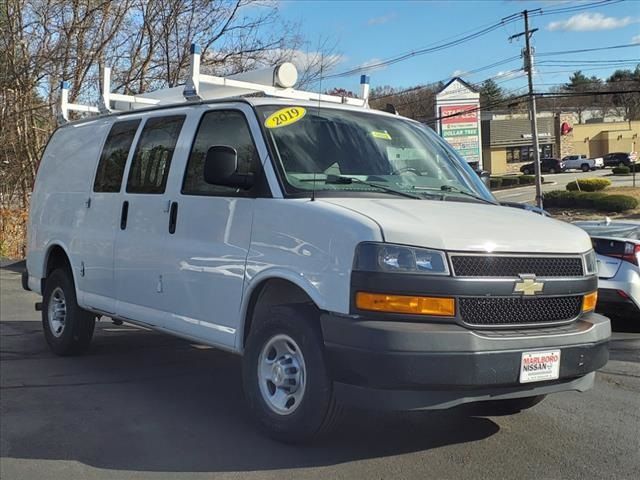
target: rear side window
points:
(114, 156)
(219, 127)
(152, 160)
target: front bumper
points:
(411, 365)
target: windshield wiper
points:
(450, 188)
(344, 180)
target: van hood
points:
(464, 226)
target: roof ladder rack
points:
(275, 81)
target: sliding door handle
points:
(124, 214)
(173, 217)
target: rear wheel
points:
(286, 384)
(526, 171)
(552, 170)
(68, 328)
(585, 167)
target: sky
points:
(366, 32)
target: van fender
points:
(296, 278)
(48, 248)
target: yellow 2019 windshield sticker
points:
(284, 117)
(384, 135)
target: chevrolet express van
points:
(350, 256)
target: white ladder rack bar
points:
(66, 107)
(274, 81)
(108, 96)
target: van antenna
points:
(313, 188)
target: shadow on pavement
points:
(16, 266)
(147, 402)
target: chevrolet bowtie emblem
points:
(528, 285)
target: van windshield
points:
(333, 150)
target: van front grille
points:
(507, 311)
(511, 266)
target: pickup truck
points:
(581, 162)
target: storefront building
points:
(507, 144)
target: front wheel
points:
(286, 384)
(526, 171)
(552, 170)
(68, 328)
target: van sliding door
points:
(99, 224)
(143, 214)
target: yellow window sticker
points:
(284, 117)
(384, 135)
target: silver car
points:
(617, 245)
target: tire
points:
(552, 170)
(494, 408)
(71, 333)
(585, 167)
(526, 171)
(293, 331)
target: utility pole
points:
(528, 66)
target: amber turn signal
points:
(380, 302)
(589, 301)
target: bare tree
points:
(146, 42)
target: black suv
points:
(616, 159)
(547, 165)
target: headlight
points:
(590, 263)
(385, 257)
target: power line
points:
(632, 60)
(466, 36)
(419, 52)
(573, 70)
(586, 50)
(576, 8)
(584, 94)
(444, 80)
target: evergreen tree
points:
(490, 93)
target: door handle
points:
(124, 214)
(173, 217)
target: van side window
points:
(219, 127)
(114, 156)
(152, 160)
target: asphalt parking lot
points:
(559, 181)
(142, 405)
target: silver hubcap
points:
(281, 374)
(57, 312)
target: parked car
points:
(617, 159)
(547, 165)
(350, 256)
(581, 162)
(617, 245)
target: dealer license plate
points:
(539, 366)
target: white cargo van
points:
(349, 255)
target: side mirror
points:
(485, 177)
(221, 168)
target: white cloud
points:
(381, 20)
(370, 63)
(583, 22)
(635, 39)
